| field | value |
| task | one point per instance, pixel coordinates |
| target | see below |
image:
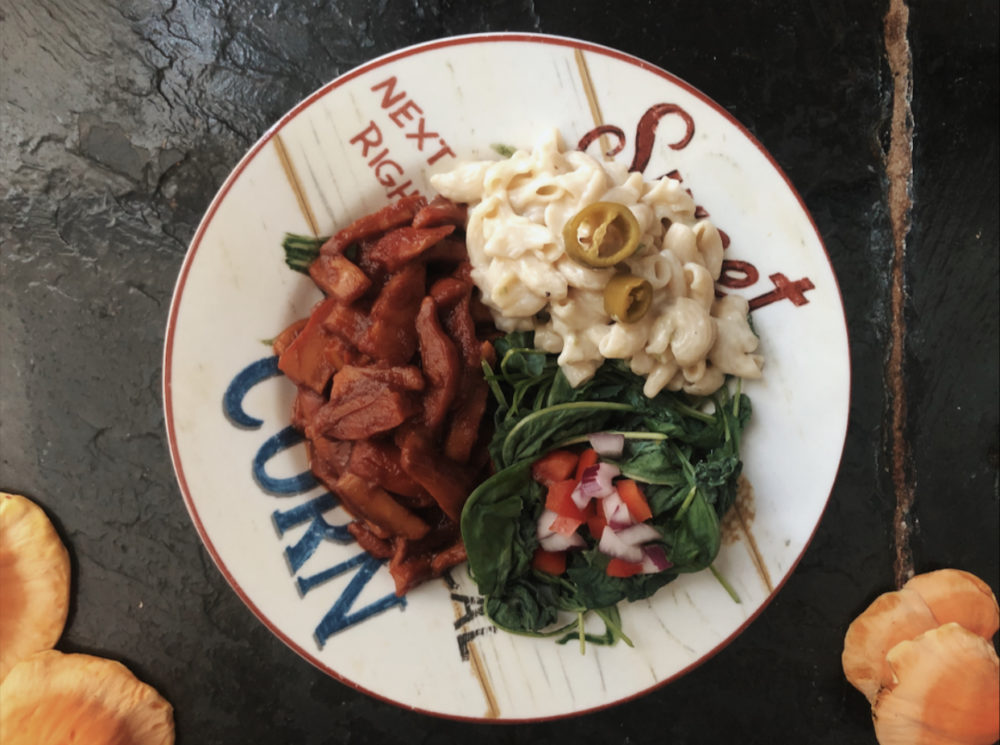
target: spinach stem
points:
(685, 463)
(537, 634)
(508, 455)
(613, 624)
(628, 436)
(301, 251)
(725, 585)
(692, 412)
(494, 385)
(687, 502)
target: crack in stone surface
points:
(899, 172)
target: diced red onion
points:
(654, 559)
(607, 444)
(616, 512)
(578, 499)
(545, 520)
(636, 535)
(612, 545)
(597, 480)
(561, 542)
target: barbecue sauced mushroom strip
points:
(391, 395)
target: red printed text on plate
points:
(403, 113)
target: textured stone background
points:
(121, 120)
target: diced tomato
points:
(558, 465)
(587, 458)
(565, 525)
(596, 521)
(552, 562)
(622, 568)
(634, 499)
(559, 499)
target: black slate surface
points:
(121, 120)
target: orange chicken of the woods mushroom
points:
(47, 697)
(51, 698)
(34, 581)
(923, 655)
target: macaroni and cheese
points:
(689, 339)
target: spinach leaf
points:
(530, 436)
(641, 586)
(560, 391)
(694, 539)
(513, 340)
(523, 606)
(491, 519)
(717, 476)
(663, 499)
(522, 376)
(594, 588)
(651, 462)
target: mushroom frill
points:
(52, 698)
(48, 697)
(34, 581)
(923, 656)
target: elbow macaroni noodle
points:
(688, 340)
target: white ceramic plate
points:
(379, 131)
